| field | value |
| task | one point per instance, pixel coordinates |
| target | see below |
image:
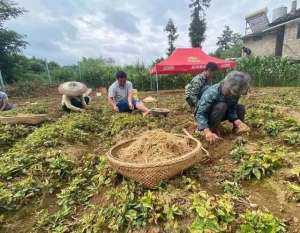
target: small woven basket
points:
(151, 174)
(159, 112)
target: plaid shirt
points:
(210, 97)
(196, 87)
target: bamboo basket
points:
(151, 174)
(29, 119)
(159, 112)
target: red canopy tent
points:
(188, 61)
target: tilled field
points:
(55, 177)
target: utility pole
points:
(1, 81)
(48, 72)
(79, 70)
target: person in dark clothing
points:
(218, 114)
(199, 84)
(220, 102)
(247, 51)
(76, 102)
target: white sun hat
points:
(72, 88)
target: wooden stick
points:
(190, 136)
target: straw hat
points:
(149, 99)
(72, 88)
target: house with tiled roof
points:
(281, 37)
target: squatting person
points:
(220, 102)
(120, 95)
(4, 104)
(75, 96)
(199, 84)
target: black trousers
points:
(190, 102)
(76, 103)
(219, 113)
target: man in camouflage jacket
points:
(199, 84)
(220, 102)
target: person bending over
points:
(75, 96)
(4, 104)
(220, 102)
(195, 89)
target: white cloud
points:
(126, 30)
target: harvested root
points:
(155, 146)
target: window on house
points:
(298, 31)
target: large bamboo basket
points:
(30, 119)
(151, 174)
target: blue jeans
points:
(9, 107)
(123, 105)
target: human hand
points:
(116, 108)
(130, 106)
(241, 127)
(210, 136)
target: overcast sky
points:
(126, 30)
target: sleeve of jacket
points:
(66, 100)
(231, 113)
(203, 106)
(195, 87)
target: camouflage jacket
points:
(210, 97)
(196, 87)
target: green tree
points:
(172, 36)
(11, 43)
(9, 9)
(198, 24)
(229, 44)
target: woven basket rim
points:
(178, 159)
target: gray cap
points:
(237, 82)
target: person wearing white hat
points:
(75, 96)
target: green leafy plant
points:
(233, 188)
(10, 134)
(261, 164)
(272, 128)
(270, 71)
(239, 152)
(296, 172)
(259, 222)
(295, 189)
(14, 195)
(292, 138)
(211, 215)
(125, 121)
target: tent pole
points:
(156, 83)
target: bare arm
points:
(112, 103)
(130, 93)
(83, 102)
(68, 104)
